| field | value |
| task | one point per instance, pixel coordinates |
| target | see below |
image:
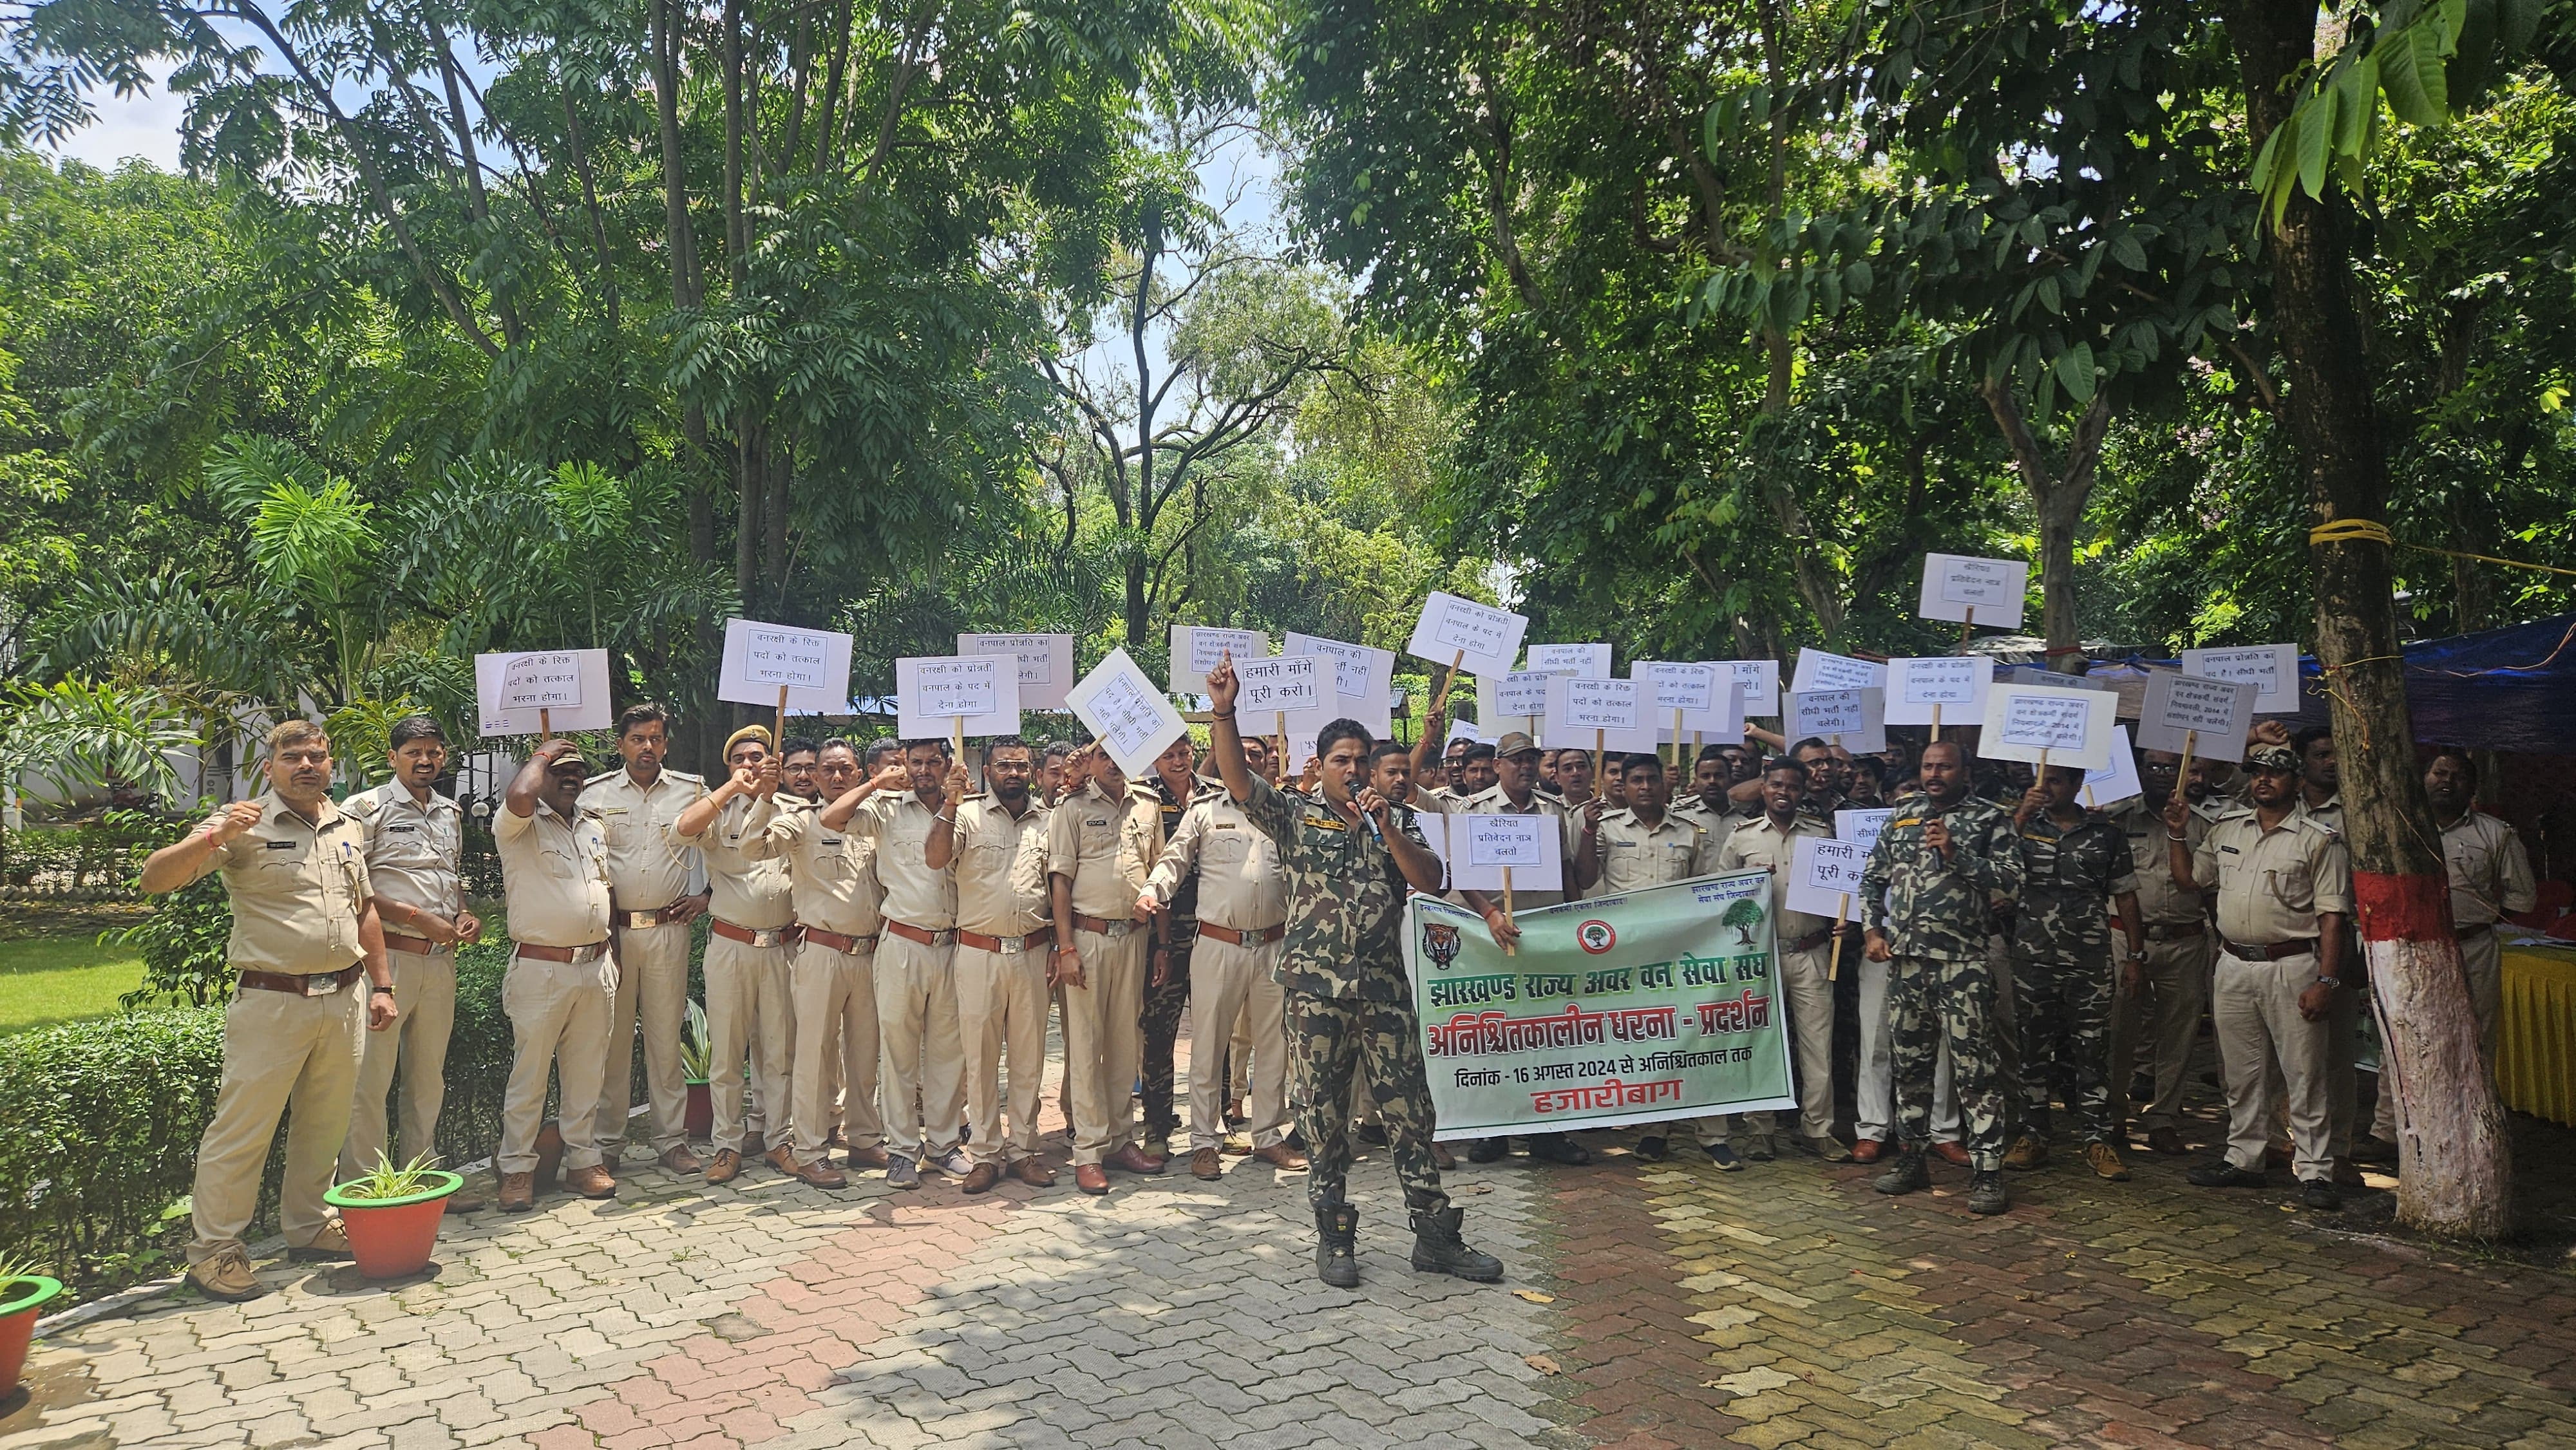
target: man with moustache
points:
(750, 1008)
(657, 889)
(994, 842)
(921, 1057)
(1102, 844)
(2165, 997)
(562, 977)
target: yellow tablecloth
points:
(2536, 1034)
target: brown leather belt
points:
(1262, 937)
(322, 984)
(983, 943)
(776, 936)
(419, 946)
(1110, 929)
(921, 934)
(1812, 940)
(2463, 933)
(2175, 930)
(2302, 946)
(647, 920)
(535, 953)
(836, 941)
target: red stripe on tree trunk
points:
(2402, 908)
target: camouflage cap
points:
(1515, 742)
(2272, 757)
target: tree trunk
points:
(2455, 1171)
(2058, 494)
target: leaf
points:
(2316, 135)
(2075, 371)
(1542, 1364)
(1534, 1296)
(2404, 60)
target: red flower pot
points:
(19, 1301)
(391, 1237)
(701, 1119)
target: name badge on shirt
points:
(286, 845)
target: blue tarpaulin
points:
(2498, 689)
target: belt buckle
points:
(637, 920)
(326, 984)
(1118, 930)
(766, 937)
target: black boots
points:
(1337, 1227)
(1907, 1173)
(1986, 1191)
(1437, 1249)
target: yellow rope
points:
(2355, 531)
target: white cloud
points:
(145, 125)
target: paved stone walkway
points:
(1646, 1306)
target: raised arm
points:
(200, 851)
(1225, 742)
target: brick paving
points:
(1646, 1306)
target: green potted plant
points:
(392, 1215)
(23, 1292)
(695, 1049)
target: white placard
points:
(1358, 671)
(1473, 843)
(1853, 719)
(1860, 826)
(1584, 714)
(569, 685)
(1679, 685)
(2272, 669)
(2072, 726)
(1761, 682)
(1128, 713)
(1591, 661)
(1046, 663)
(1482, 640)
(935, 692)
(1461, 730)
(1520, 695)
(1199, 648)
(812, 664)
(1955, 683)
(1721, 724)
(1278, 684)
(2114, 782)
(1824, 876)
(2219, 712)
(1955, 584)
(1818, 670)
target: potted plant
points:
(391, 1215)
(695, 1049)
(23, 1292)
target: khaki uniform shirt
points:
(412, 849)
(750, 891)
(1758, 843)
(554, 875)
(1108, 848)
(2490, 872)
(1634, 857)
(645, 868)
(1569, 835)
(2272, 884)
(1001, 867)
(2162, 901)
(1236, 866)
(899, 826)
(297, 889)
(831, 875)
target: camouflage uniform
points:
(1160, 1022)
(1349, 1000)
(2061, 962)
(1934, 914)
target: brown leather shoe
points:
(1442, 1158)
(2165, 1141)
(2104, 1160)
(679, 1159)
(518, 1192)
(1280, 1155)
(872, 1156)
(1034, 1173)
(1866, 1150)
(821, 1174)
(1204, 1163)
(1132, 1159)
(226, 1276)
(836, 1140)
(980, 1179)
(1954, 1153)
(2347, 1174)
(726, 1167)
(591, 1182)
(2026, 1152)
(331, 1245)
(1236, 1145)
(782, 1160)
(1090, 1178)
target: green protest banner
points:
(1642, 1008)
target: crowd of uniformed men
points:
(887, 941)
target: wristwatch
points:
(2329, 981)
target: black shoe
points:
(1760, 1152)
(1489, 1150)
(1651, 1148)
(2321, 1194)
(1437, 1249)
(1337, 1227)
(1906, 1174)
(1986, 1192)
(1558, 1148)
(2374, 1150)
(1373, 1134)
(2223, 1174)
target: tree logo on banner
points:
(1440, 942)
(1596, 936)
(1744, 916)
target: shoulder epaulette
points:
(362, 804)
(603, 779)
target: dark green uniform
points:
(1349, 999)
(2063, 983)
(1934, 913)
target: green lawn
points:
(50, 979)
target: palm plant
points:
(82, 734)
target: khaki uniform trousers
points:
(748, 1013)
(2255, 1006)
(1103, 1041)
(425, 994)
(2165, 1009)
(921, 1059)
(1810, 1001)
(558, 1013)
(1002, 1013)
(1239, 1051)
(836, 1012)
(282, 1052)
(2482, 962)
(1227, 982)
(653, 981)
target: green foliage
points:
(184, 944)
(87, 735)
(94, 860)
(384, 1180)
